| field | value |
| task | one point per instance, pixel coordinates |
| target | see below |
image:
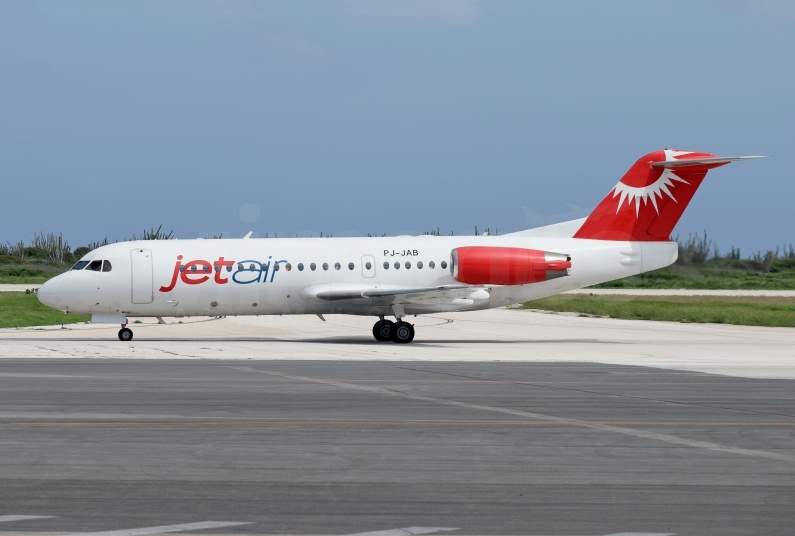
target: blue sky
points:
(385, 116)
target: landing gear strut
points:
(125, 334)
(399, 332)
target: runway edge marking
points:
(10, 518)
(667, 438)
(408, 531)
(163, 529)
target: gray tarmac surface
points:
(341, 447)
(495, 335)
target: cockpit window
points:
(80, 265)
(95, 266)
(106, 267)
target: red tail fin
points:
(650, 198)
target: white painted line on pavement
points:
(642, 534)
(4, 519)
(162, 529)
(408, 531)
(644, 434)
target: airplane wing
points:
(445, 294)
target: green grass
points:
(715, 274)
(18, 309)
(29, 274)
(747, 311)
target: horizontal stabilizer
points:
(701, 161)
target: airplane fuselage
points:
(285, 276)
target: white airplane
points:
(627, 233)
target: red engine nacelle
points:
(481, 265)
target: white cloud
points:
(447, 11)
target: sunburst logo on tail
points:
(650, 193)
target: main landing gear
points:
(125, 334)
(399, 332)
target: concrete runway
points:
(497, 423)
(493, 335)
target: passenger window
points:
(288, 267)
(300, 267)
(444, 265)
(408, 265)
(337, 266)
(240, 267)
(252, 268)
(80, 265)
(206, 268)
(419, 265)
(312, 266)
(368, 265)
(386, 266)
(182, 268)
(95, 266)
(397, 265)
(228, 268)
(276, 267)
(325, 266)
(350, 266)
(106, 267)
(431, 265)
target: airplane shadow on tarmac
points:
(362, 341)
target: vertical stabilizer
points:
(650, 198)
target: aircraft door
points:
(142, 276)
(368, 266)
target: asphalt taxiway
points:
(497, 423)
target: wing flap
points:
(453, 294)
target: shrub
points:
(81, 251)
(7, 259)
(694, 250)
(54, 248)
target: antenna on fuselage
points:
(248, 235)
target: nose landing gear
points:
(399, 332)
(125, 334)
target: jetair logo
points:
(200, 271)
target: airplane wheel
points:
(382, 330)
(125, 334)
(402, 333)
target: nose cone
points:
(49, 293)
